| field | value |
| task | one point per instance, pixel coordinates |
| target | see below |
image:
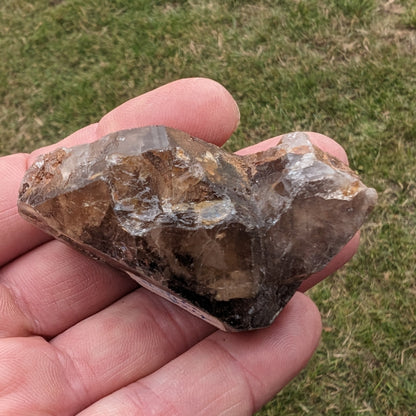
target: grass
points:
(345, 68)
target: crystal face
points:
(229, 238)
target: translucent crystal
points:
(229, 238)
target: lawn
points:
(345, 68)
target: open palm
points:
(80, 338)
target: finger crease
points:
(163, 332)
(171, 312)
(168, 407)
(27, 324)
(244, 371)
(74, 377)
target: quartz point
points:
(229, 238)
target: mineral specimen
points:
(227, 237)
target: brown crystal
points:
(229, 238)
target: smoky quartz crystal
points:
(229, 238)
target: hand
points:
(78, 337)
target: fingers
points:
(323, 142)
(128, 340)
(13, 321)
(32, 381)
(200, 106)
(226, 373)
(124, 342)
(206, 110)
(167, 359)
(53, 287)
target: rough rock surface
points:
(228, 237)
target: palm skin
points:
(79, 338)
